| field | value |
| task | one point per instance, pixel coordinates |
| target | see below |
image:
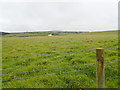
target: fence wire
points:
(114, 51)
(112, 66)
(112, 48)
(46, 54)
(7, 80)
(53, 53)
(112, 61)
(55, 68)
(55, 74)
(47, 69)
(46, 75)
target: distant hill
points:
(3, 33)
(28, 34)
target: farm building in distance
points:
(49, 34)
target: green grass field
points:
(62, 70)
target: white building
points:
(50, 35)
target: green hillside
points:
(60, 61)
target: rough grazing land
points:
(75, 69)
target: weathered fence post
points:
(100, 67)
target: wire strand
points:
(52, 74)
(46, 54)
(46, 75)
(55, 68)
(53, 53)
(46, 69)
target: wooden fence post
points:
(100, 67)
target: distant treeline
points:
(27, 34)
(3, 33)
(53, 32)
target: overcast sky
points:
(17, 16)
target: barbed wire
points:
(55, 68)
(54, 74)
(46, 69)
(90, 60)
(53, 53)
(45, 75)
(47, 54)
(35, 66)
(111, 66)
(115, 51)
(112, 61)
(112, 48)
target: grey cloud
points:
(58, 15)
